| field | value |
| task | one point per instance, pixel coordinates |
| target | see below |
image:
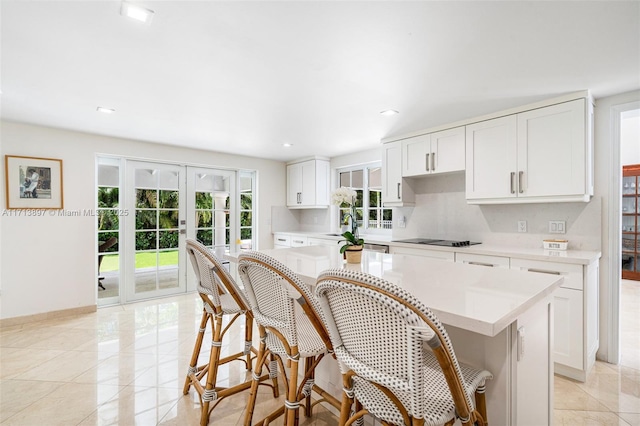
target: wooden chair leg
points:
(291, 402)
(253, 394)
(193, 365)
(481, 403)
(248, 339)
(209, 393)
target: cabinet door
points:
(294, 184)
(416, 155)
(491, 159)
(447, 151)
(395, 192)
(568, 326)
(552, 151)
(308, 195)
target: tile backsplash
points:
(441, 211)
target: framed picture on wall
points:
(33, 182)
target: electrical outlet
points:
(557, 226)
(401, 222)
(522, 226)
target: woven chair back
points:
(213, 278)
(273, 291)
(382, 333)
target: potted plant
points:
(352, 247)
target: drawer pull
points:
(490, 265)
(542, 271)
(513, 176)
(281, 239)
(427, 162)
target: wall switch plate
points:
(401, 222)
(557, 226)
(522, 226)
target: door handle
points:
(513, 178)
(520, 184)
(433, 161)
(398, 190)
(427, 162)
(542, 271)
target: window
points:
(367, 182)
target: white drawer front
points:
(483, 260)
(432, 254)
(297, 241)
(572, 274)
(281, 240)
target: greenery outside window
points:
(367, 182)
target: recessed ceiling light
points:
(138, 13)
(105, 110)
(389, 112)
(287, 145)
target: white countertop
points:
(475, 298)
(581, 257)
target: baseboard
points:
(8, 322)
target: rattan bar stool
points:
(291, 326)
(396, 357)
(220, 296)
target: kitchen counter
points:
(486, 311)
(474, 298)
(580, 257)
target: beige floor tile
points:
(569, 396)
(587, 418)
(632, 418)
(16, 395)
(17, 361)
(69, 404)
(63, 368)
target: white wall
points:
(630, 138)
(48, 263)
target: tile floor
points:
(126, 365)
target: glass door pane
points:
(155, 260)
(109, 217)
(212, 200)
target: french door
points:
(168, 203)
(156, 228)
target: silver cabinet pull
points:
(520, 184)
(398, 190)
(299, 197)
(513, 178)
(542, 271)
(482, 264)
(433, 161)
(281, 239)
(427, 162)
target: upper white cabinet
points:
(540, 155)
(439, 152)
(308, 184)
(395, 191)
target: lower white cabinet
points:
(281, 240)
(322, 242)
(575, 314)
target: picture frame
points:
(33, 182)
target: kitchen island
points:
(498, 319)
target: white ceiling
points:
(245, 77)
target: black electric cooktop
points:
(432, 242)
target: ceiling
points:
(245, 77)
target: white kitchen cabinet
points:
(322, 242)
(396, 192)
(575, 314)
(540, 155)
(308, 184)
(439, 152)
(483, 260)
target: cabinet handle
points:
(520, 184)
(543, 271)
(427, 157)
(513, 178)
(482, 264)
(398, 190)
(281, 239)
(433, 161)
(299, 197)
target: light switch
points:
(557, 227)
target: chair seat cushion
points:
(309, 342)
(439, 407)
